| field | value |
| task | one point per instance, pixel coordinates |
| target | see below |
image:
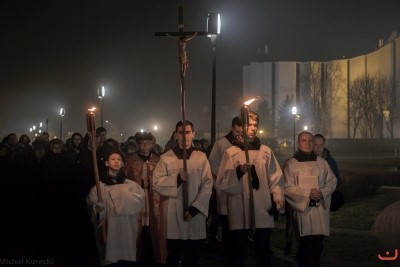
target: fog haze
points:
(55, 54)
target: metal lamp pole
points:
(213, 28)
(101, 91)
(62, 114)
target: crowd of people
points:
(136, 204)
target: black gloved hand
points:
(255, 182)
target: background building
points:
(343, 98)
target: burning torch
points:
(91, 129)
(245, 123)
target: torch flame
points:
(92, 109)
(248, 102)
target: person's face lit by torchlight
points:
(189, 136)
(305, 142)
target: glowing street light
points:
(155, 128)
(213, 24)
(213, 30)
(101, 92)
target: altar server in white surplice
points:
(184, 229)
(309, 184)
(267, 189)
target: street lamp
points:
(294, 112)
(62, 114)
(213, 30)
(101, 92)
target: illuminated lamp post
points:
(213, 30)
(101, 92)
(62, 114)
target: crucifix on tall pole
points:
(183, 37)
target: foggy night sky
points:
(55, 54)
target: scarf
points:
(179, 152)
(111, 180)
(230, 137)
(255, 145)
(144, 157)
(302, 156)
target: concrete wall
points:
(385, 61)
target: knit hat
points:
(141, 136)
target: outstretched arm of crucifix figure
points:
(183, 59)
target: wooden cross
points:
(183, 37)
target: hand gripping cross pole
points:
(183, 37)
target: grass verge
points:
(361, 213)
(354, 244)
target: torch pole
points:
(245, 123)
(91, 128)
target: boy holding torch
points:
(122, 201)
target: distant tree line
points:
(372, 103)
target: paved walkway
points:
(387, 230)
(214, 257)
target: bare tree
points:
(369, 104)
(310, 79)
(370, 100)
(284, 123)
(385, 102)
(264, 111)
(334, 83)
(356, 112)
(321, 82)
